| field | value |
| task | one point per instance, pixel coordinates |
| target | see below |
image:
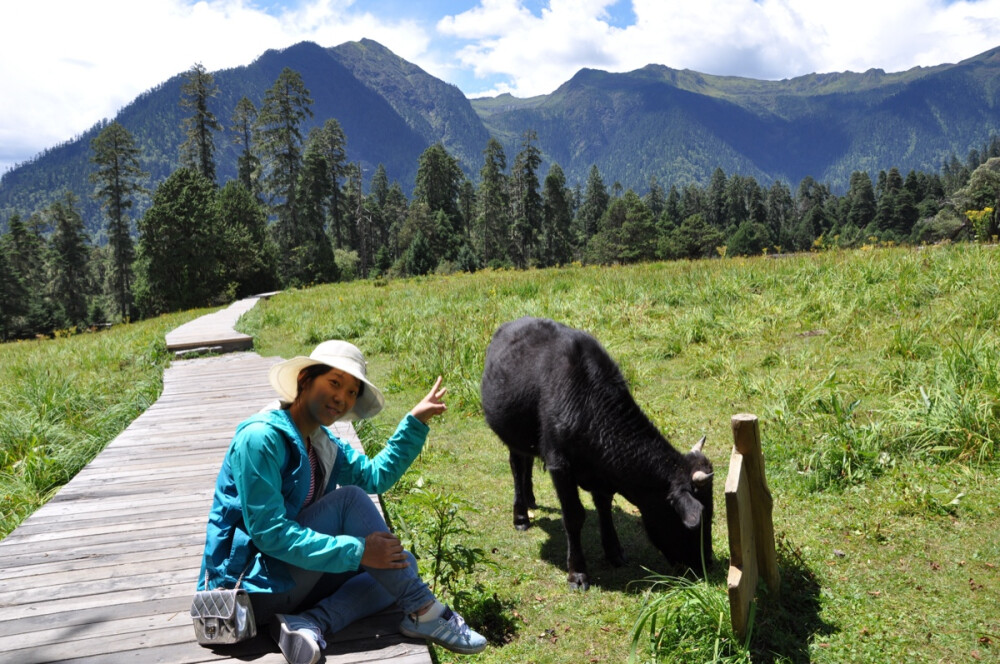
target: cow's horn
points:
(701, 477)
(700, 445)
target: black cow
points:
(554, 392)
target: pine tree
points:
(376, 206)
(492, 221)
(25, 248)
(693, 238)
(247, 165)
(595, 203)
(118, 178)
(627, 233)
(638, 230)
(556, 240)
(715, 200)
(394, 214)
(887, 206)
(247, 256)
(418, 259)
(861, 197)
(13, 295)
(278, 142)
(526, 202)
(655, 199)
(333, 145)
(27, 255)
(379, 187)
(780, 214)
(305, 253)
(744, 201)
(671, 214)
(467, 208)
(352, 203)
(198, 149)
(439, 178)
(69, 250)
(177, 260)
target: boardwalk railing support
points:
(748, 516)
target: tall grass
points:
(682, 621)
(62, 400)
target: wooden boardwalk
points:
(214, 332)
(104, 572)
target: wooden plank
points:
(95, 509)
(54, 573)
(746, 440)
(395, 650)
(748, 517)
(742, 579)
(27, 556)
(77, 619)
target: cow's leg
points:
(609, 537)
(573, 516)
(524, 496)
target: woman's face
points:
(331, 396)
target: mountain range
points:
(675, 125)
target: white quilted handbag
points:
(222, 616)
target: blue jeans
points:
(334, 601)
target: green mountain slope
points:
(375, 132)
(435, 110)
(680, 125)
(675, 125)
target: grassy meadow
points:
(62, 400)
(874, 374)
(875, 377)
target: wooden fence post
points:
(748, 516)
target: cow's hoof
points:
(578, 581)
(521, 527)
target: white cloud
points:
(762, 38)
(66, 64)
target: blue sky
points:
(67, 64)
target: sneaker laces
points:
(457, 624)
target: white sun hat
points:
(336, 354)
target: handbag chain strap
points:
(239, 580)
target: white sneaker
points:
(300, 639)
(448, 631)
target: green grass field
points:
(874, 375)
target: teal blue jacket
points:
(262, 486)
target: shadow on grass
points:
(641, 556)
(783, 627)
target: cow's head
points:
(680, 523)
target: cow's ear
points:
(688, 509)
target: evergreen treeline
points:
(298, 214)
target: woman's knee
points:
(352, 494)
